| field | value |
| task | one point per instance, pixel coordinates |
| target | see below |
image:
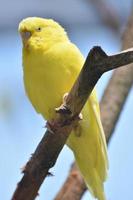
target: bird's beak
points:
(25, 35)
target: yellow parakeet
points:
(51, 63)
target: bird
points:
(51, 64)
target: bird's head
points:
(37, 31)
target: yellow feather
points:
(51, 64)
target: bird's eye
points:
(38, 29)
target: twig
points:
(111, 106)
(46, 154)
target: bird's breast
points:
(46, 80)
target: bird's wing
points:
(96, 110)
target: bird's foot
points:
(50, 125)
(63, 109)
(23, 169)
(80, 116)
(65, 97)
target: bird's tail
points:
(89, 148)
(91, 178)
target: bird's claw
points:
(63, 109)
(80, 116)
(65, 97)
(50, 126)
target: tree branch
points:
(46, 154)
(111, 106)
